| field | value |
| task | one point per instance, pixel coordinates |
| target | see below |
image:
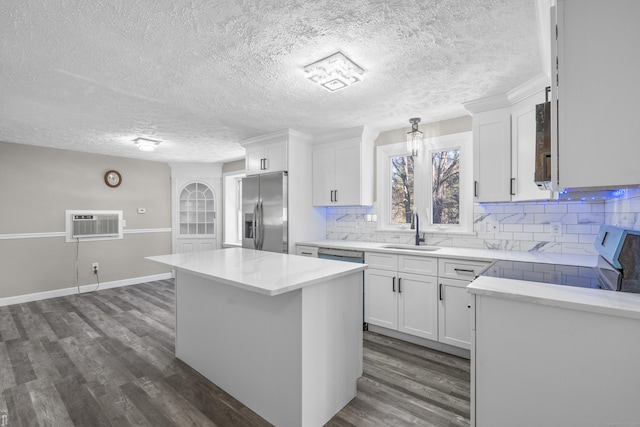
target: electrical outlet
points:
(555, 229)
(94, 267)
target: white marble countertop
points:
(612, 303)
(462, 253)
(267, 273)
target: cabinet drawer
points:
(418, 265)
(460, 269)
(309, 251)
(381, 260)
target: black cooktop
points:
(604, 276)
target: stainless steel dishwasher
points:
(348, 255)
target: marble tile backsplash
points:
(521, 226)
(624, 212)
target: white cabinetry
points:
(343, 168)
(454, 302)
(195, 198)
(267, 155)
(504, 145)
(401, 293)
(492, 155)
(596, 143)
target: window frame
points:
(232, 205)
(423, 183)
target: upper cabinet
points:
(594, 93)
(492, 155)
(266, 154)
(343, 168)
(504, 130)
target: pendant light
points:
(414, 138)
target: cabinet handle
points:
(336, 193)
(475, 188)
(399, 285)
(261, 164)
(306, 253)
(463, 270)
(394, 284)
(440, 292)
(512, 186)
(331, 196)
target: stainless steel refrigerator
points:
(264, 212)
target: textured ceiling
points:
(201, 75)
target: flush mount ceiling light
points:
(334, 72)
(146, 144)
(414, 138)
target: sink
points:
(412, 247)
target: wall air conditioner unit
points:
(93, 225)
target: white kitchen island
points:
(280, 333)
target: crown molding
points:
(510, 98)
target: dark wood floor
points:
(107, 359)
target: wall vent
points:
(93, 225)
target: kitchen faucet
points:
(415, 223)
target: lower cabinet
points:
(454, 301)
(397, 298)
(421, 296)
(454, 313)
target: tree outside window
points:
(402, 193)
(445, 186)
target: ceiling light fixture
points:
(146, 144)
(414, 138)
(334, 72)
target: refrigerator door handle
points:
(254, 225)
(261, 226)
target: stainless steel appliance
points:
(618, 267)
(341, 255)
(347, 255)
(264, 212)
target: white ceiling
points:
(201, 75)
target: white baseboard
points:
(19, 299)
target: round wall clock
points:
(112, 178)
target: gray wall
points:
(38, 184)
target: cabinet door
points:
(523, 150)
(323, 175)
(454, 313)
(597, 93)
(381, 298)
(275, 155)
(492, 155)
(418, 305)
(347, 174)
(253, 160)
